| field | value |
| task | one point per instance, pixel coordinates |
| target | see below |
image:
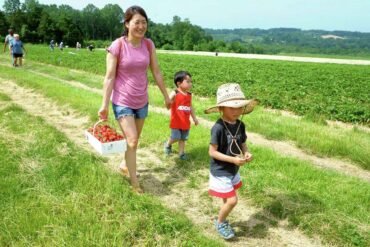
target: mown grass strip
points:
(54, 193)
(284, 188)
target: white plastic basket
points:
(108, 147)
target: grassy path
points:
(54, 192)
(156, 174)
(284, 148)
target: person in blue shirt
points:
(17, 49)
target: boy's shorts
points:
(123, 111)
(224, 186)
(16, 55)
(177, 134)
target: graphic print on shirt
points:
(180, 111)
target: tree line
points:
(39, 23)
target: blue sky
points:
(348, 15)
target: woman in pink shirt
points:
(126, 83)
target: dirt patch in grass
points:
(160, 179)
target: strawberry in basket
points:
(105, 133)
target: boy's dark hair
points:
(180, 76)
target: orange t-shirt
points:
(180, 111)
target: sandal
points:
(124, 172)
(138, 189)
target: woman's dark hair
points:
(180, 76)
(130, 12)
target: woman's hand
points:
(167, 102)
(103, 113)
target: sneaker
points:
(183, 156)
(224, 229)
(167, 148)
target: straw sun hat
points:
(231, 95)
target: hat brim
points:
(247, 104)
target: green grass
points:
(325, 56)
(55, 194)
(319, 202)
(332, 91)
(319, 139)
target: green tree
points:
(111, 17)
(13, 13)
(4, 26)
(91, 20)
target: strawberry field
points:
(319, 91)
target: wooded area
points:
(39, 23)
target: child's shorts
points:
(177, 134)
(16, 55)
(123, 111)
(224, 186)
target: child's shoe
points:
(167, 148)
(224, 229)
(183, 156)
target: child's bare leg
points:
(20, 61)
(171, 141)
(181, 146)
(229, 204)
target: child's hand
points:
(196, 122)
(239, 161)
(248, 157)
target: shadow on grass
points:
(278, 208)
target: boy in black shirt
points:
(228, 151)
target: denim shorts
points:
(122, 111)
(177, 134)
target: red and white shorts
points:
(224, 186)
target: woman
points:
(126, 80)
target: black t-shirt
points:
(221, 137)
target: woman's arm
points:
(109, 78)
(154, 67)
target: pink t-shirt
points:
(131, 83)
